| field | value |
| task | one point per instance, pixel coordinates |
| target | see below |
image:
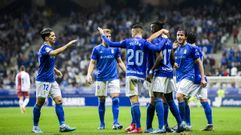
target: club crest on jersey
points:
(185, 51)
(112, 51)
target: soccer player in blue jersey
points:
(136, 59)
(106, 60)
(163, 84)
(186, 57)
(202, 95)
(45, 80)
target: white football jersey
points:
(22, 81)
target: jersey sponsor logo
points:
(107, 57)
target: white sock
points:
(25, 103)
(20, 102)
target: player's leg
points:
(101, 92)
(135, 107)
(183, 88)
(133, 85)
(150, 110)
(175, 112)
(20, 101)
(207, 109)
(166, 111)
(42, 91)
(26, 100)
(188, 126)
(114, 88)
(55, 93)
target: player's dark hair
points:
(181, 28)
(45, 32)
(159, 24)
(22, 68)
(191, 38)
(137, 25)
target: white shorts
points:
(103, 86)
(134, 85)
(188, 88)
(45, 89)
(164, 85)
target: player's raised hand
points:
(203, 83)
(89, 79)
(175, 65)
(165, 31)
(100, 30)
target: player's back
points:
(185, 58)
(106, 63)
(46, 64)
(165, 69)
(22, 81)
(136, 57)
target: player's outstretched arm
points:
(156, 48)
(109, 42)
(201, 69)
(121, 64)
(61, 49)
(90, 71)
(157, 34)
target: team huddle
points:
(149, 62)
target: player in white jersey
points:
(22, 82)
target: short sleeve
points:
(195, 53)
(46, 49)
(118, 54)
(94, 54)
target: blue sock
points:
(208, 112)
(137, 114)
(175, 112)
(181, 106)
(101, 109)
(133, 121)
(60, 113)
(187, 115)
(159, 112)
(36, 114)
(165, 106)
(115, 109)
(150, 111)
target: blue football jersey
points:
(165, 69)
(136, 54)
(185, 57)
(46, 64)
(106, 62)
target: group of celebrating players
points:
(149, 62)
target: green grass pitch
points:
(227, 121)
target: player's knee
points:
(134, 99)
(179, 97)
(158, 95)
(203, 100)
(168, 97)
(102, 98)
(152, 100)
